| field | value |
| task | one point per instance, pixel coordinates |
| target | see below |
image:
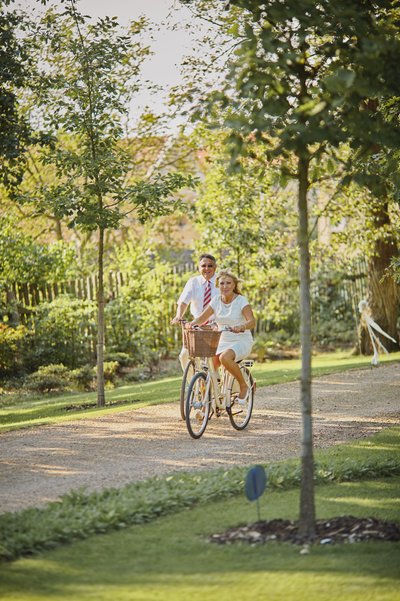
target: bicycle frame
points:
(219, 389)
(209, 395)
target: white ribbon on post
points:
(371, 326)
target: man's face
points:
(207, 268)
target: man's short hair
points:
(207, 256)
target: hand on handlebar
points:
(236, 329)
(178, 320)
(188, 325)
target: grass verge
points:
(81, 515)
(170, 560)
(46, 410)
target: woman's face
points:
(226, 285)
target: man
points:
(197, 293)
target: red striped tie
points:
(207, 295)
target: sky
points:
(169, 47)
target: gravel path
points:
(38, 465)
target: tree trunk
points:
(12, 308)
(101, 401)
(307, 503)
(382, 296)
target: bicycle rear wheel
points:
(197, 406)
(186, 379)
(240, 415)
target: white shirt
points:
(193, 294)
(230, 314)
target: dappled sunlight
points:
(134, 442)
(342, 385)
(122, 572)
(383, 504)
(344, 419)
(287, 414)
(371, 447)
(60, 470)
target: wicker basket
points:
(201, 343)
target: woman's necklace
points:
(227, 300)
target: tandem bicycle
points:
(211, 391)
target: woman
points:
(231, 309)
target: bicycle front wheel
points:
(186, 379)
(197, 408)
(240, 415)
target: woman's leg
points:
(227, 359)
(216, 361)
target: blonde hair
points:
(233, 277)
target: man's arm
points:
(183, 301)
(180, 312)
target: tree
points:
(297, 82)
(14, 70)
(89, 72)
(226, 203)
(377, 172)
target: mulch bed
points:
(344, 529)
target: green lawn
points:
(170, 558)
(32, 412)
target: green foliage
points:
(80, 515)
(63, 333)
(123, 359)
(58, 378)
(89, 74)
(138, 319)
(24, 260)
(84, 378)
(13, 343)
(395, 267)
(332, 302)
(15, 70)
(294, 75)
(274, 344)
(227, 204)
(49, 378)
(111, 371)
(260, 346)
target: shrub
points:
(63, 333)
(84, 378)
(261, 342)
(49, 378)
(12, 343)
(79, 515)
(123, 359)
(110, 371)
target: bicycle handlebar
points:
(221, 329)
(199, 327)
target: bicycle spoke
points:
(240, 415)
(188, 374)
(197, 406)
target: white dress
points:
(230, 314)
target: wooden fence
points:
(31, 295)
(351, 289)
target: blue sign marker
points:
(256, 482)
